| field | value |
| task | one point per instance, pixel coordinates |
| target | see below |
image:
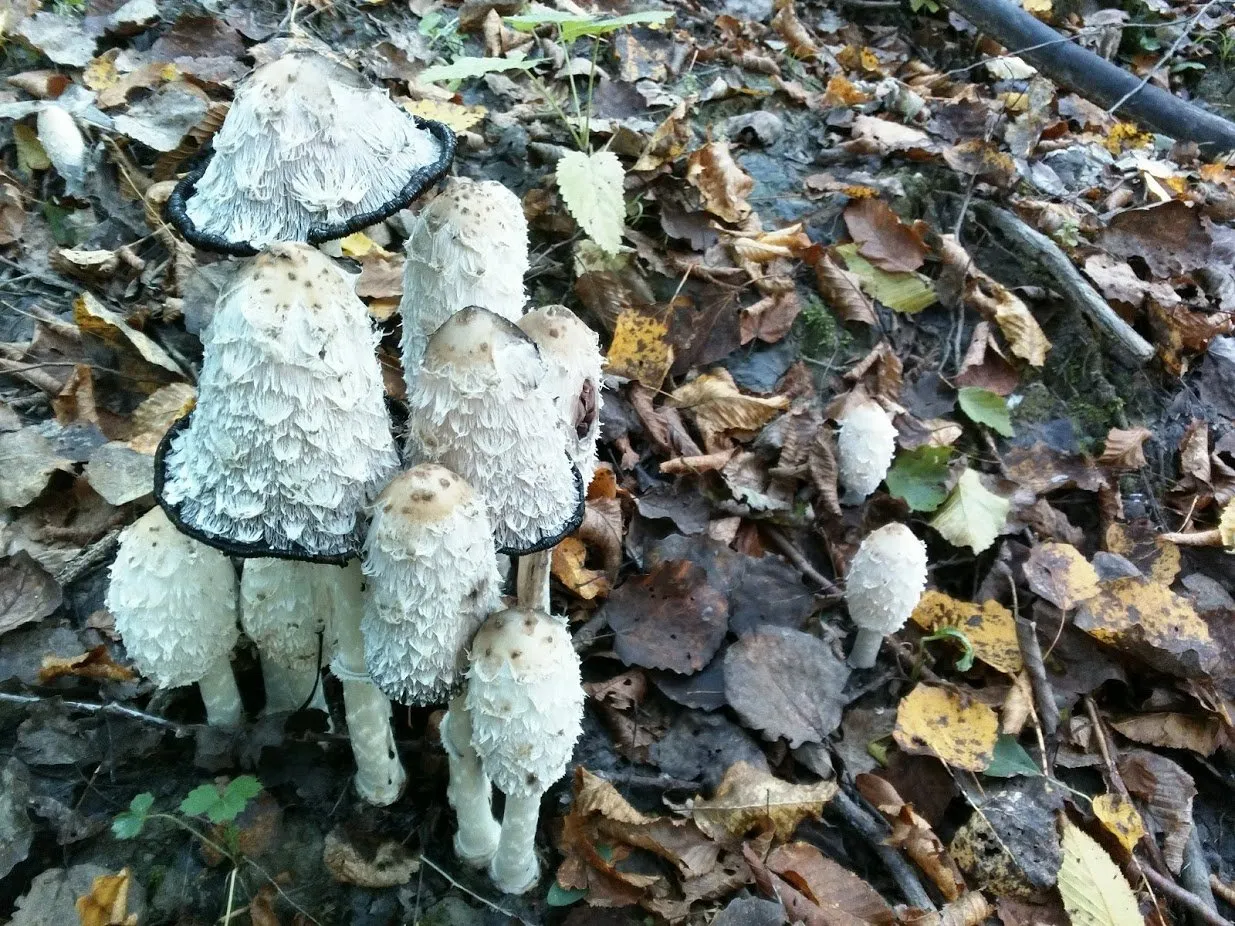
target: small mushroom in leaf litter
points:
(865, 447)
(885, 582)
(174, 601)
(526, 703)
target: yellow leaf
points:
(107, 904)
(1120, 816)
(718, 407)
(459, 118)
(990, 628)
(1094, 891)
(155, 415)
(1226, 525)
(972, 516)
(1037, 7)
(640, 349)
(909, 292)
(1155, 557)
(30, 153)
(1060, 574)
(569, 568)
(749, 798)
(101, 73)
(961, 732)
(358, 245)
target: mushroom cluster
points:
(283, 510)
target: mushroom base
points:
(220, 694)
(470, 792)
(865, 650)
(515, 868)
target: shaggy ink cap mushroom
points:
(526, 703)
(309, 151)
(431, 580)
(281, 614)
(468, 246)
(174, 601)
(290, 438)
(479, 408)
(865, 448)
(885, 582)
(571, 351)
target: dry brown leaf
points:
(107, 904)
(749, 798)
(96, 664)
(569, 568)
(1060, 574)
(94, 318)
(761, 248)
(960, 731)
(724, 185)
(1200, 733)
(769, 319)
(156, 414)
(27, 592)
(718, 408)
(1168, 792)
(1124, 449)
(790, 28)
(989, 628)
(843, 292)
(911, 832)
(842, 895)
(882, 238)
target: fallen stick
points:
(866, 825)
(1095, 78)
(1038, 249)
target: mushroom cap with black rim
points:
(468, 246)
(309, 151)
(571, 351)
(479, 408)
(290, 438)
(431, 579)
(174, 601)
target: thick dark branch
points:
(1094, 77)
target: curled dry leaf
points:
(752, 798)
(570, 568)
(790, 28)
(838, 892)
(94, 318)
(1124, 449)
(882, 238)
(1060, 574)
(843, 291)
(990, 627)
(718, 408)
(1168, 792)
(107, 904)
(1200, 733)
(723, 184)
(959, 731)
(97, 664)
(911, 832)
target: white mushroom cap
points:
(571, 351)
(526, 699)
(308, 143)
(174, 601)
(865, 448)
(290, 437)
(886, 579)
(479, 409)
(432, 578)
(280, 614)
(467, 247)
(63, 143)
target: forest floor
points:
(825, 204)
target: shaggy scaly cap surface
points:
(290, 437)
(432, 578)
(886, 579)
(467, 247)
(526, 700)
(279, 612)
(479, 409)
(306, 141)
(571, 351)
(174, 601)
(866, 445)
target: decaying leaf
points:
(1060, 574)
(640, 349)
(900, 291)
(718, 408)
(972, 516)
(882, 238)
(752, 798)
(724, 185)
(960, 731)
(990, 627)
(96, 664)
(1200, 733)
(1124, 449)
(372, 865)
(1140, 543)
(911, 832)
(460, 118)
(1168, 792)
(842, 896)
(27, 592)
(1121, 818)
(107, 904)
(93, 317)
(569, 568)
(1008, 845)
(1094, 891)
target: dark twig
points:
(87, 559)
(1183, 897)
(1195, 874)
(798, 558)
(104, 707)
(875, 834)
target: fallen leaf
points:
(97, 664)
(1200, 733)
(786, 683)
(1094, 890)
(843, 291)
(1140, 543)
(1121, 818)
(107, 904)
(911, 832)
(972, 516)
(986, 407)
(592, 187)
(882, 238)
(1124, 449)
(1008, 845)
(828, 885)
(27, 460)
(640, 349)
(920, 477)
(569, 568)
(1168, 792)
(716, 405)
(1060, 574)
(990, 628)
(157, 413)
(723, 184)
(749, 798)
(372, 864)
(460, 118)
(790, 28)
(94, 318)
(909, 293)
(961, 732)
(27, 592)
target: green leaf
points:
(1011, 759)
(973, 515)
(986, 407)
(30, 153)
(965, 663)
(200, 800)
(142, 803)
(561, 897)
(463, 68)
(909, 293)
(128, 824)
(243, 787)
(573, 27)
(226, 809)
(1093, 889)
(591, 185)
(920, 477)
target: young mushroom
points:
(479, 409)
(280, 613)
(290, 437)
(526, 705)
(886, 579)
(571, 351)
(309, 151)
(865, 448)
(432, 578)
(174, 601)
(466, 247)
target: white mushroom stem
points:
(532, 584)
(515, 867)
(220, 694)
(865, 650)
(283, 609)
(289, 688)
(470, 792)
(379, 774)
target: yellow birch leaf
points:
(569, 568)
(960, 732)
(1155, 557)
(1094, 890)
(1060, 574)
(989, 627)
(1120, 816)
(640, 349)
(972, 516)
(1226, 525)
(107, 904)
(460, 118)
(749, 798)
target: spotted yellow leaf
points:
(989, 627)
(640, 349)
(1120, 816)
(959, 731)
